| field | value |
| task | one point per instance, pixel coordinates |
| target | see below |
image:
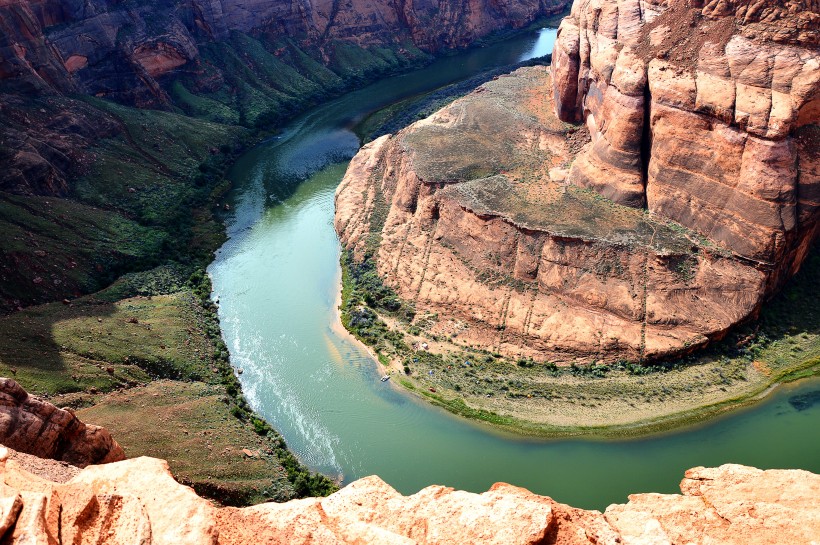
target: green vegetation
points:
(145, 358)
(143, 196)
(399, 115)
(782, 345)
(364, 297)
(134, 221)
(263, 82)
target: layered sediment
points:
(645, 232)
(121, 50)
(137, 501)
(706, 116)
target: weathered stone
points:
(34, 426)
(137, 502)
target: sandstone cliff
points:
(675, 221)
(137, 501)
(37, 427)
(707, 117)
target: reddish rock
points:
(480, 232)
(37, 427)
(47, 45)
(705, 128)
(713, 133)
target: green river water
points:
(277, 279)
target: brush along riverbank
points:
(143, 354)
(145, 359)
(542, 399)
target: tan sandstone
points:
(137, 502)
(34, 426)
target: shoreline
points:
(748, 386)
(641, 429)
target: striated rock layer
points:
(117, 49)
(138, 502)
(34, 426)
(703, 115)
(687, 197)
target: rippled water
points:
(277, 279)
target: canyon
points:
(122, 50)
(119, 120)
(138, 501)
(118, 123)
(225, 66)
(632, 203)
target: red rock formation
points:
(705, 116)
(37, 427)
(120, 50)
(511, 260)
(137, 501)
(713, 133)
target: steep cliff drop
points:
(138, 501)
(686, 199)
(123, 50)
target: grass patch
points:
(150, 367)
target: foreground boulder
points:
(138, 502)
(34, 426)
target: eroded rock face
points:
(138, 502)
(34, 426)
(706, 115)
(702, 141)
(482, 229)
(120, 50)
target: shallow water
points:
(277, 279)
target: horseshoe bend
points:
(249, 249)
(631, 204)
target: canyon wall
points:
(703, 114)
(123, 49)
(682, 203)
(137, 501)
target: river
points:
(277, 279)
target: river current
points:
(277, 281)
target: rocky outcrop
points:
(694, 198)
(137, 501)
(34, 426)
(706, 115)
(481, 228)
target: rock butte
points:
(687, 196)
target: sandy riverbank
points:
(537, 399)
